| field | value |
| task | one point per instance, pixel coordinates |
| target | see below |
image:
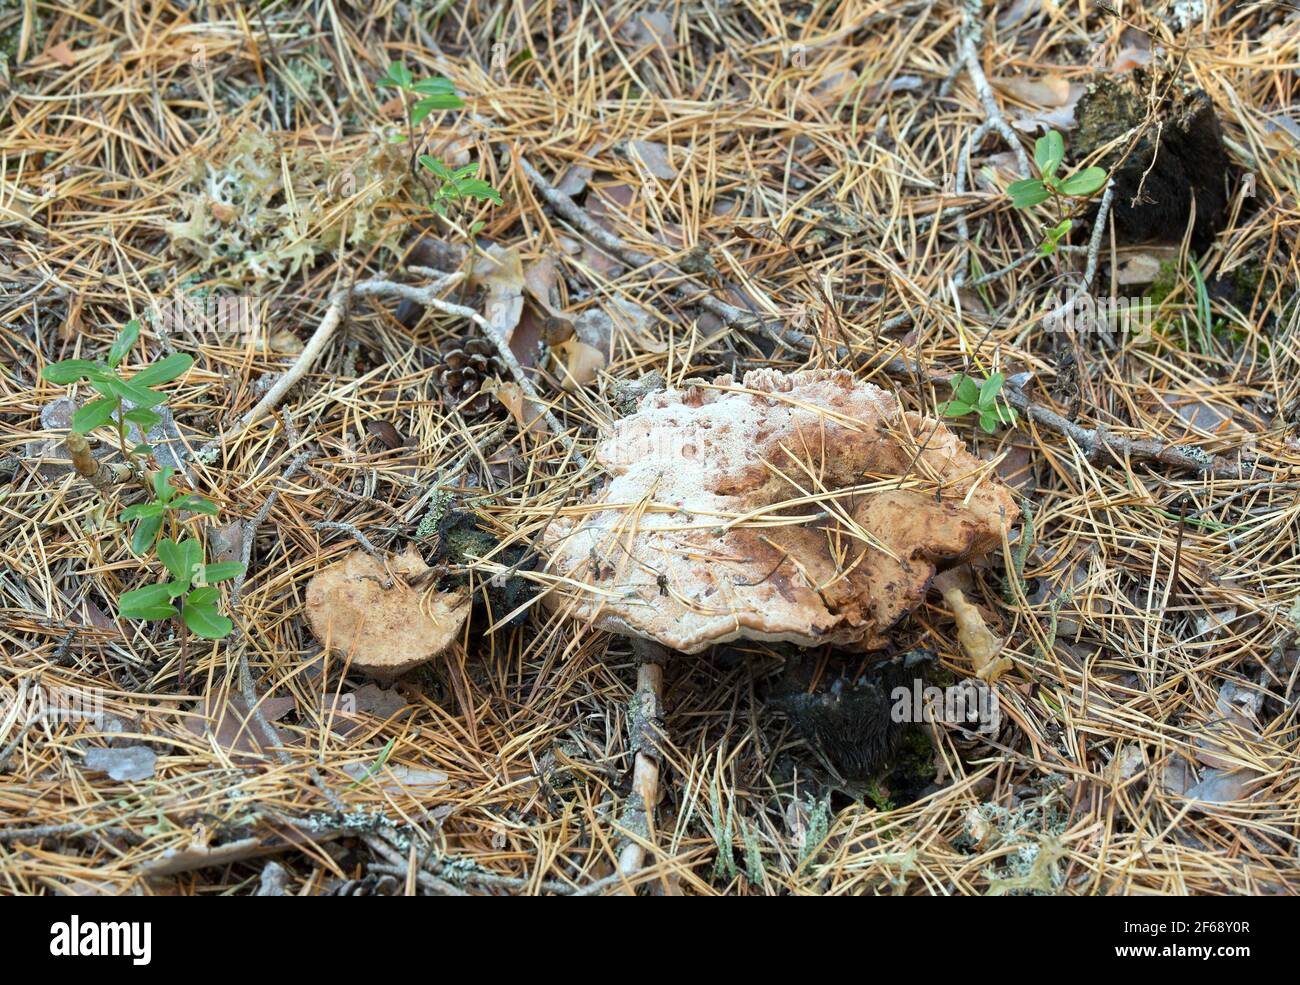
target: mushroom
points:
(806, 508)
(370, 611)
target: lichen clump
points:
(257, 209)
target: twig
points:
(348, 528)
(101, 475)
(968, 50)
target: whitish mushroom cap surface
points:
(772, 509)
(368, 611)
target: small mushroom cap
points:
(772, 510)
(361, 608)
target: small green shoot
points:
(1049, 152)
(130, 400)
(426, 96)
(983, 398)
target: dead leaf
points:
(384, 431)
(397, 779)
(574, 180)
(1220, 787)
(654, 27)
(581, 363)
(225, 719)
(381, 702)
(1049, 91)
(62, 54)
(123, 762)
(501, 274)
(527, 414)
(227, 541)
(654, 156)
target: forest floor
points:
(694, 189)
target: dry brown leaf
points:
(62, 54)
(1049, 91)
(501, 274)
(581, 363)
(528, 414)
(654, 156)
(367, 611)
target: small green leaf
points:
(436, 86)
(141, 396)
(150, 602)
(195, 504)
(989, 390)
(146, 532)
(435, 167)
(1085, 183)
(398, 75)
(1049, 151)
(95, 414)
(68, 371)
(205, 621)
(989, 422)
(1027, 193)
(164, 370)
(142, 450)
(122, 344)
(479, 189)
(965, 389)
(144, 418)
(954, 408)
(182, 560)
(161, 487)
(203, 596)
(423, 107)
(141, 510)
(222, 571)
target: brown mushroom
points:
(805, 507)
(370, 612)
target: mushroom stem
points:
(645, 723)
(976, 640)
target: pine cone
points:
(461, 371)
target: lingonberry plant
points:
(124, 401)
(981, 398)
(1049, 152)
(454, 185)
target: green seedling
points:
(982, 398)
(124, 401)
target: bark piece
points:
(769, 509)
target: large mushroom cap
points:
(368, 611)
(773, 509)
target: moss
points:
(1169, 166)
(11, 16)
(462, 542)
